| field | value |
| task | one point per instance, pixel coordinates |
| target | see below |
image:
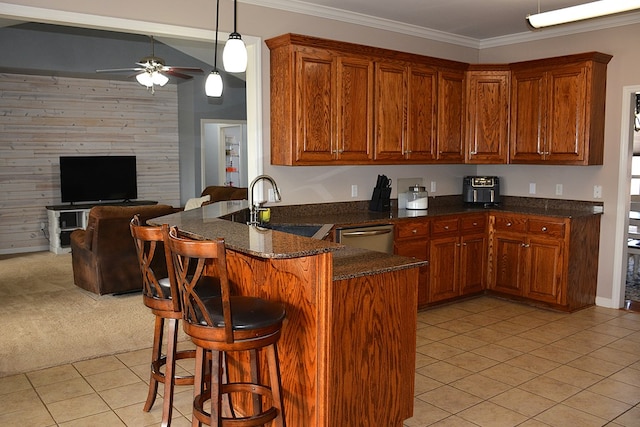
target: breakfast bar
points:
(347, 351)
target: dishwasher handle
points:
(366, 233)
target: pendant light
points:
(234, 55)
(582, 11)
(213, 84)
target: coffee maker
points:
(481, 190)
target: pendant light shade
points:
(234, 56)
(213, 84)
(582, 11)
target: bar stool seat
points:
(225, 324)
(162, 297)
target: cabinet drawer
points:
(473, 223)
(407, 230)
(444, 226)
(510, 223)
(549, 228)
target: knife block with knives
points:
(381, 198)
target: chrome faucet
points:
(256, 208)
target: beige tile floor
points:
(481, 362)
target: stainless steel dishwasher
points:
(374, 237)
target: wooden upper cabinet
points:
(487, 135)
(557, 110)
(355, 109)
(405, 112)
(337, 103)
(451, 121)
(421, 114)
(314, 110)
(390, 110)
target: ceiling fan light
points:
(213, 85)
(145, 79)
(580, 12)
(159, 78)
(234, 55)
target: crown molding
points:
(430, 34)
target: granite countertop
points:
(357, 213)
(208, 223)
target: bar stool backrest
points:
(150, 248)
(193, 259)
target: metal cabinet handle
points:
(475, 224)
(446, 227)
(414, 231)
(524, 245)
(509, 224)
(544, 228)
(366, 233)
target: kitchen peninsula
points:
(347, 351)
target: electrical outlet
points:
(532, 188)
(558, 189)
(597, 191)
(42, 226)
(433, 186)
(354, 190)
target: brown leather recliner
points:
(104, 256)
(221, 193)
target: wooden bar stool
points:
(222, 325)
(162, 296)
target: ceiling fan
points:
(153, 70)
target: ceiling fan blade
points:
(116, 70)
(184, 69)
(176, 74)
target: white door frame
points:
(623, 198)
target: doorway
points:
(632, 283)
(623, 252)
(224, 153)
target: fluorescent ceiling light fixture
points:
(581, 11)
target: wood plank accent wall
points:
(45, 117)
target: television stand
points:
(64, 219)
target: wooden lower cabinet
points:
(457, 256)
(412, 240)
(545, 259)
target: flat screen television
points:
(98, 178)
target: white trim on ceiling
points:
(430, 34)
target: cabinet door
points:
(355, 107)
(417, 249)
(450, 116)
(421, 115)
(315, 113)
(444, 265)
(544, 278)
(390, 108)
(473, 263)
(508, 264)
(528, 104)
(487, 136)
(566, 114)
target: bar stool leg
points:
(274, 380)
(169, 374)
(198, 381)
(156, 355)
(216, 388)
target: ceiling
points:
(476, 20)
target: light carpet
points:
(48, 321)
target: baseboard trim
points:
(23, 250)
